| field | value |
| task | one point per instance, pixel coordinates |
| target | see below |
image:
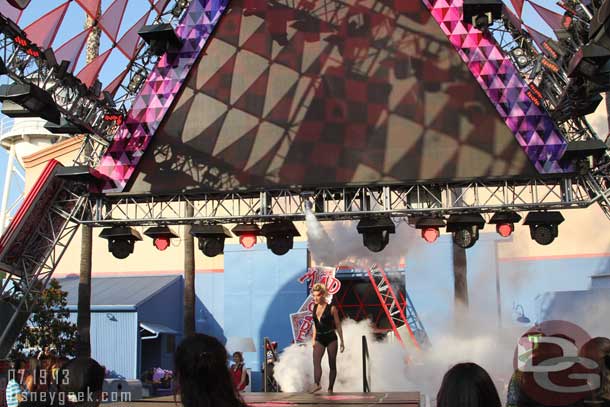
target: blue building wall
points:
(165, 307)
(209, 307)
(114, 341)
(252, 298)
(429, 281)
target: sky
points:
(75, 18)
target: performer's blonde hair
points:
(321, 288)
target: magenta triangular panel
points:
(129, 41)
(112, 17)
(42, 32)
(9, 11)
(116, 82)
(91, 7)
(550, 17)
(71, 50)
(90, 72)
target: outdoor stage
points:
(303, 400)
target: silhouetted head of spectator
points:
(203, 375)
(467, 384)
(598, 350)
(81, 380)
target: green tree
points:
(49, 325)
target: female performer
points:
(326, 322)
(238, 372)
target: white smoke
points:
(469, 336)
(338, 242)
(388, 368)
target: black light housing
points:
(582, 149)
(482, 13)
(280, 236)
(211, 238)
(160, 38)
(465, 229)
(588, 60)
(161, 236)
(78, 173)
(65, 127)
(376, 232)
(544, 226)
(28, 100)
(520, 57)
(121, 240)
(19, 4)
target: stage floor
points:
(302, 400)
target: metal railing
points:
(366, 369)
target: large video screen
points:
(328, 93)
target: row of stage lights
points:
(211, 238)
(544, 228)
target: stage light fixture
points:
(136, 81)
(121, 240)
(65, 127)
(544, 226)
(430, 228)
(482, 13)
(587, 62)
(247, 234)
(179, 7)
(28, 100)
(583, 149)
(376, 232)
(505, 222)
(160, 38)
(211, 238)
(161, 236)
(280, 236)
(19, 4)
(465, 229)
(520, 57)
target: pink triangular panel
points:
(91, 7)
(129, 41)
(518, 5)
(114, 85)
(550, 17)
(9, 11)
(71, 50)
(42, 32)
(112, 17)
(89, 73)
(538, 37)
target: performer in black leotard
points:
(326, 322)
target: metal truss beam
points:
(21, 289)
(28, 64)
(351, 203)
